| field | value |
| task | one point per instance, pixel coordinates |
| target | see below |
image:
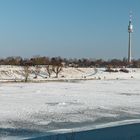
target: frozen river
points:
(34, 108)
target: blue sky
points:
(68, 28)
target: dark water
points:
(11, 133)
(123, 132)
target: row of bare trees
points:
(83, 62)
(54, 66)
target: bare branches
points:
(56, 65)
(49, 70)
(37, 71)
(26, 72)
(57, 69)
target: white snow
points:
(15, 73)
(71, 105)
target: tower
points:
(130, 30)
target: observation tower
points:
(130, 30)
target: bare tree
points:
(26, 72)
(56, 65)
(57, 69)
(37, 70)
(49, 70)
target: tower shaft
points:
(129, 48)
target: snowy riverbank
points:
(16, 74)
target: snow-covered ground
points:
(34, 108)
(69, 103)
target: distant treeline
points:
(83, 62)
